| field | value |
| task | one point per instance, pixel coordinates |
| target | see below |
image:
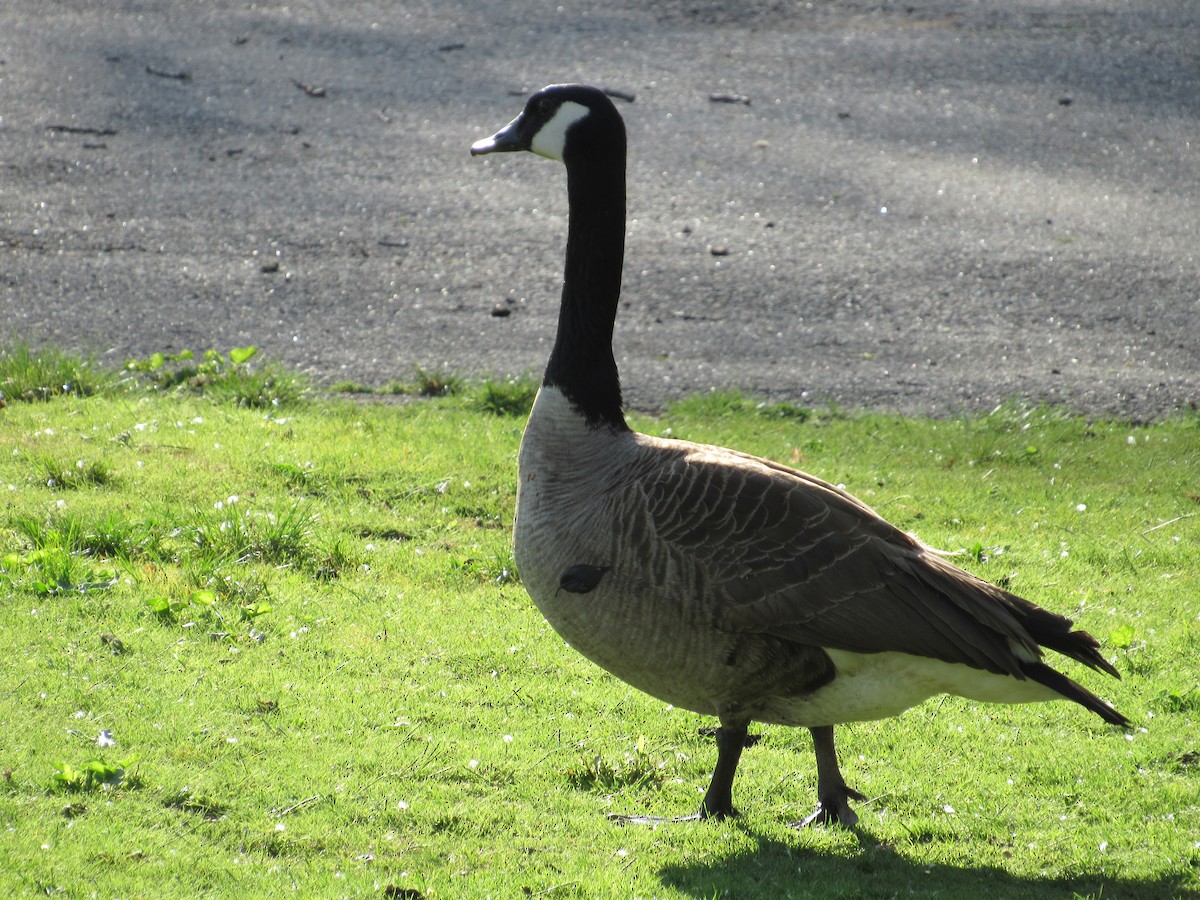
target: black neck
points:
(582, 364)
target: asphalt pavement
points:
(926, 207)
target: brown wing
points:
(789, 555)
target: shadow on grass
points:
(777, 870)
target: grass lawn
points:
(259, 644)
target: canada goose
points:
(717, 581)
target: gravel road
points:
(925, 207)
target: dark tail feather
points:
(1060, 683)
(1054, 631)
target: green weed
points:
(109, 534)
(230, 530)
(424, 383)
(189, 801)
(169, 609)
(508, 397)
(28, 375)
(717, 404)
(498, 568)
(350, 387)
(228, 377)
(94, 775)
(636, 771)
(432, 383)
(331, 559)
(54, 570)
(62, 475)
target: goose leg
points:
(718, 799)
(833, 796)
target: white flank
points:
(872, 686)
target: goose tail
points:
(1055, 633)
(1072, 690)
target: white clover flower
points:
(106, 739)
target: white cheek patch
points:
(551, 138)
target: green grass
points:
(229, 377)
(28, 375)
(284, 651)
(425, 383)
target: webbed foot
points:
(834, 809)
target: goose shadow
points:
(777, 870)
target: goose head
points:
(579, 126)
(566, 122)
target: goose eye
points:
(544, 106)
